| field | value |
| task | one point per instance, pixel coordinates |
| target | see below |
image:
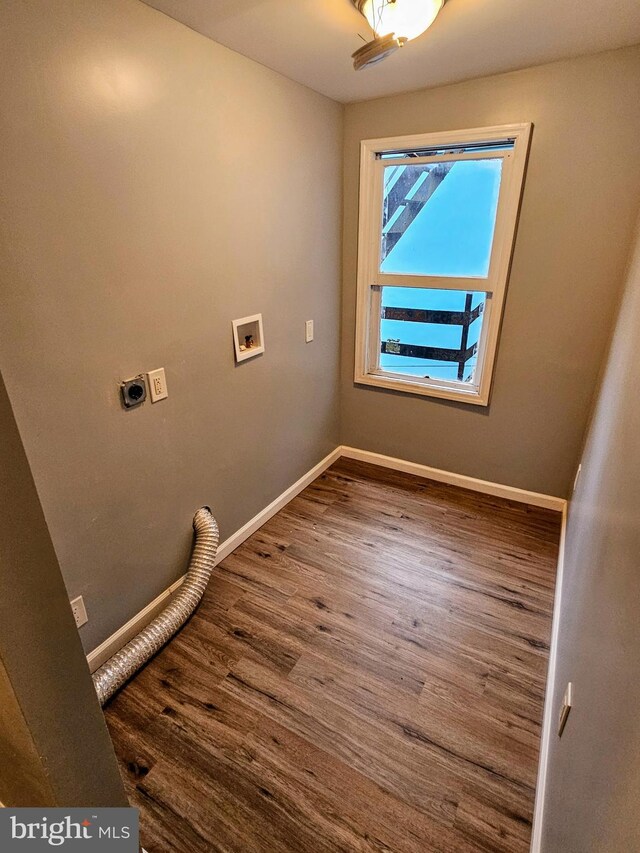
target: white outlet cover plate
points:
(567, 702)
(308, 331)
(157, 382)
(575, 482)
(79, 611)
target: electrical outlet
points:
(79, 611)
(157, 385)
(308, 331)
(567, 701)
(134, 392)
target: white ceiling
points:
(311, 40)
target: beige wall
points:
(157, 186)
(580, 199)
(593, 783)
(55, 749)
(22, 779)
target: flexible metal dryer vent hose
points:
(125, 663)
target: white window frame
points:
(371, 280)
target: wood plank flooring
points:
(365, 673)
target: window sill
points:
(408, 386)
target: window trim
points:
(370, 279)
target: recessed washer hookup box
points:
(27, 830)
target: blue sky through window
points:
(451, 235)
(428, 334)
(453, 232)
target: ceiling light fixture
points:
(394, 23)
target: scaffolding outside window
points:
(437, 224)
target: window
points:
(437, 223)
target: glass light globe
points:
(405, 18)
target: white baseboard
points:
(550, 717)
(485, 486)
(116, 641)
(121, 637)
(275, 506)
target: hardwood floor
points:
(365, 673)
